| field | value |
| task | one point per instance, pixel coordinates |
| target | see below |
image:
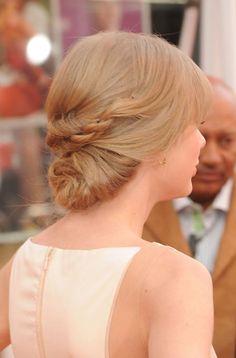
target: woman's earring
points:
(162, 162)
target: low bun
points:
(84, 178)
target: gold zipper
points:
(41, 347)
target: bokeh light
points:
(38, 49)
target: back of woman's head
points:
(117, 99)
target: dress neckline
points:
(47, 247)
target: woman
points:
(123, 117)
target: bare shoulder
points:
(167, 270)
(177, 302)
(171, 267)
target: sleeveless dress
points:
(61, 300)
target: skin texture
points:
(217, 158)
(191, 317)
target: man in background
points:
(204, 224)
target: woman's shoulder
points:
(166, 259)
(169, 268)
(176, 302)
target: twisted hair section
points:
(89, 176)
(117, 99)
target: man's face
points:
(218, 157)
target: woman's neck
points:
(116, 222)
(128, 210)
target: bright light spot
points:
(38, 49)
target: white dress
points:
(61, 300)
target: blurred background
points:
(34, 37)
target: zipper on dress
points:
(41, 347)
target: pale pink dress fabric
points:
(61, 301)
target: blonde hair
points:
(117, 99)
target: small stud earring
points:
(162, 162)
